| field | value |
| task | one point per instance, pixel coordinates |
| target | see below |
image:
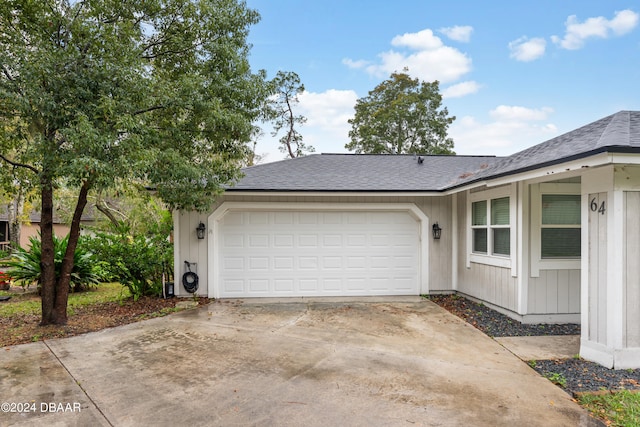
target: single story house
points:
(549, 234)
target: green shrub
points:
(24, 266)
(138, 262)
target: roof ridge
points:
(619, 126)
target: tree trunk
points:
(16, 208)
(64, 281)
(47, 261)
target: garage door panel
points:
(308, 241)
(317, 253)
(233, 241)
(283, 263)
(332, 263)
(284, 285)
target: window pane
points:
(561, 209)
(560, 243)
(501, 241)
(479, 213)
(480, 240)
(500, 211)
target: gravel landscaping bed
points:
(573, 375)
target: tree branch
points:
(147, 110)
(19, 165)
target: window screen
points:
(560, 232)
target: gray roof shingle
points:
(361, 172)
(619, 132)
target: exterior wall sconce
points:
(200, 230)
(437, 231)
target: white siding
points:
(188, 247)
(597, 272)
(492, 284)
(554, 292)
(631, 334)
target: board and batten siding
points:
(631, 333)
(436, 208)
(554, 292)
(597, 272)
(492, 284)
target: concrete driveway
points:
(380, 362)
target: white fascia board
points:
(269, 193)
(567, 170)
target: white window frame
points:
(506, 261)
(537, 262)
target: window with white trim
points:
(491, 230)
(491, 222)
(560, 228)
(555, 226)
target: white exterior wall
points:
(545, 294)
(610, 306)
(631, 332)
(492, 284)
(436, 208)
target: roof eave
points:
(541, 166)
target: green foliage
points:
(619, 409)
(557, 379)
(401, 115)
(136, 261)
(100, 94)
(24, 266)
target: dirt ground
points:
(21, 329)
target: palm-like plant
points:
(24, 266)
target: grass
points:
(29, 303)
(619, 409)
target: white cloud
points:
(326, 129)
(459, 33)
(422, 40)
(510, 112)
(598, 27)
(460, 89)
(425, 56)
(512, 129)
(355, 64)
(525, 49)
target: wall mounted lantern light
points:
(200, 230)
(437, 231)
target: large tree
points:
(401, 115)
(101, 93)
(286, 87)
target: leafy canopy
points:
(401, 115)
(154, 91)
(102, 93)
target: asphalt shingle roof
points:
(361, 172)
(618, 132)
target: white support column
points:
(615, 270)
(454, 243)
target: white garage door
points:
(311, 253)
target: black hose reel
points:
(190, 279)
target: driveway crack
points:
(75, 380)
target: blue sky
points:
(513, 73)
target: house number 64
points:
(594, 206)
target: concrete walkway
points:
(382, 362)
